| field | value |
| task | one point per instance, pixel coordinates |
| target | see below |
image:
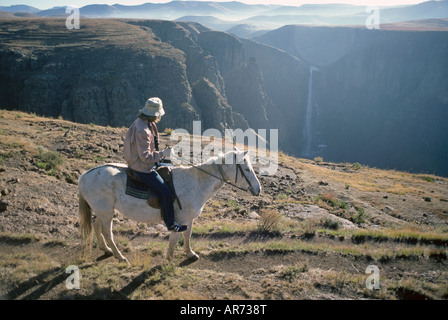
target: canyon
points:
(379, 97)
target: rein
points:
(223, 178)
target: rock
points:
(253, 215)
(3, 205)
(255, 207)
(427, 199)
(388, 209)
(262, 203)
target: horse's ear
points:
(246, 152)
(235, 149)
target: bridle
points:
(224, 179)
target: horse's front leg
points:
(174, 238)
(187, 235)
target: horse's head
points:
(240, 172)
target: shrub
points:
(281, 197)
(342, 204)
(429, 179)
(48, 160)
(290, 273)
(331, 199)
(318, 159)
(309, 229)
(269, 220)
(360, 217)
(168, 131)
(328, 223)
(356, 166)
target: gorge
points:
(379, 97)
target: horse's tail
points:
(85, 221)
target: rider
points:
(141, 153)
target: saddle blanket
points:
(137, 189)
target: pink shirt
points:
(139, 147)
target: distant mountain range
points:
(244, 19)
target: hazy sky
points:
(45, 4)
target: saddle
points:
(137, 188)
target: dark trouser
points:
(158, 186)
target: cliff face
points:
(94, 74)
(379, 97)
(387, 100)
(285, 80)
(104, 72)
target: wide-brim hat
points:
(153, 107)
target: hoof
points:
(193, 256)
(123, 259)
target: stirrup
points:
(177, 227)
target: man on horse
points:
(141, 152)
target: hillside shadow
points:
(36, 287)
(37, 281)
(262, 235)
(188, 261)
(127, 290)
(257, 235)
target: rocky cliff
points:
(104, 72)
(387, 99)
(379, 97)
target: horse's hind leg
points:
(101, 242)
(106, 230)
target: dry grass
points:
(369, 179)
(15, 143)
(270, 220)
(235, 250)
(18, 238)
(20, 266)
(224, 227)
(406, 235)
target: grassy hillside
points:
(310, 235)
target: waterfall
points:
(307, 130)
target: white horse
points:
(102, 191)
